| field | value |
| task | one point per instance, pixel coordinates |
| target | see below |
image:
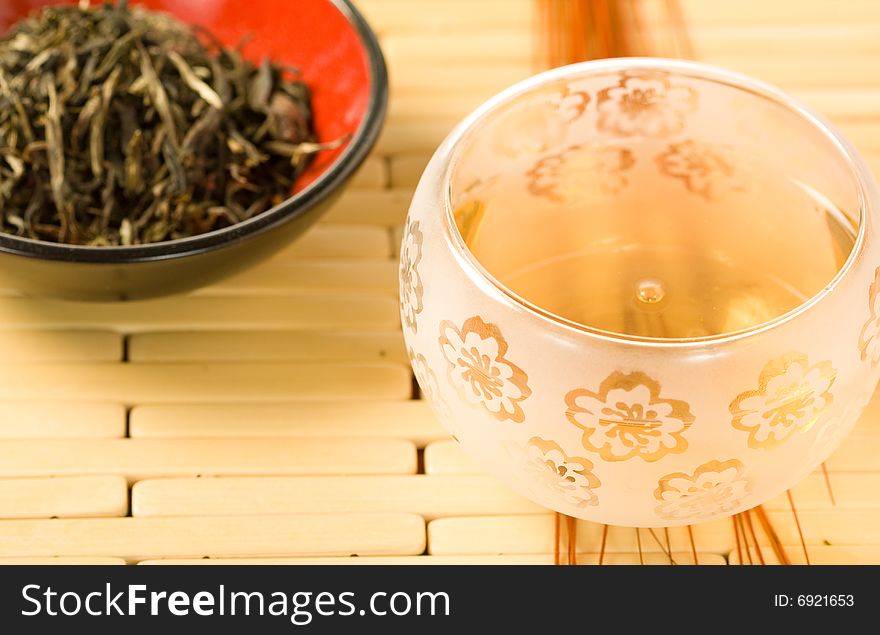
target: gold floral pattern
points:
(539, 122)
(628, 418)
(549, 470)
(791, 396)
(412, 290)
(645, 104)
(479, 370)
(429, 386)
(869, 337)
(580, 169)
(716, 487)
(570, 104)
(705, 169)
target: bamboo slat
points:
(338, 241)
(322, 276)
(62, 420)
(410, 77)
(509, 559)
(397, 238)
(144, 538)
(511, 46)
(406, 169)
(206, 312)
(267, 346)
(371, 175)
(149, 458)
(62, 560)
(534, 533)
(780, 12)
(444, 458)
(446, 109)
(411, 420)
(385, 208)
(845, 105)
(65, 497)
(215, 382)
(419, 136)
(395, 16)
(856, 38)
(430, 497)
(59, 346)
(791, 69)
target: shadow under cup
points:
(644, 292)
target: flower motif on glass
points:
(538, 123)
(791, 395)
(705, 169)
(627, 417)
(579, 171)
(716, 487)
(412, 290)
(645, 104)
(479, 370)
(549, 471)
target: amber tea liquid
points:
(654, 253)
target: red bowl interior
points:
(312, 35)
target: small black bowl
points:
(350, 94)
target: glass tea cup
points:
(644, 292)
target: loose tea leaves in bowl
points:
(120, 126)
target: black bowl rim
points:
(299, 204)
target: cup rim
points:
(859, 171)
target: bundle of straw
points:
(571, 31)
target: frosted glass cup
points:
(642, 422)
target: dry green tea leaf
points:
(120, 126)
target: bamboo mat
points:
(270, 418)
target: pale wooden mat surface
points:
(271, 417)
